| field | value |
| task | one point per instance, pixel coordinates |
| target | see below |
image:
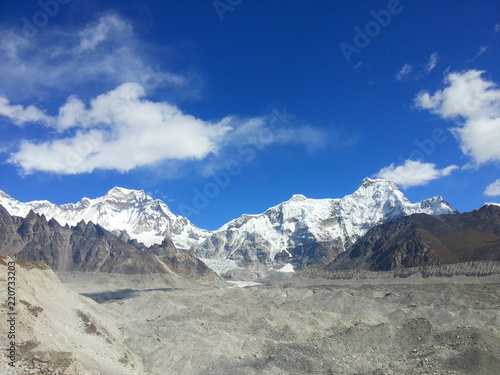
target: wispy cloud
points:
(104, 52)
(433, 61)
(403, 73)
(479, 52)
(497, 28)
(244, 142)
(474, 104)
(416, 72)
(414, 173)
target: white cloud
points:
(475, 105)
(120, 130)
(403, 73)
(21, 115)
(414, 173)
(105, 52)
(497, 28)
(493, 189)
(433, 60)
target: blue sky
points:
(228, 107)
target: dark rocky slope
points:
(91, 248)
(421, 240)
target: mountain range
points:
(145, 219)
(299, 232)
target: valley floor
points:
(289, 328)
(446, 328)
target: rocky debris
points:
(421, 328)
(241, 275)
(58, 331)
(471, 272)
(342, 330)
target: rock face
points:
(146, 219)
(91, 248)
(306, 231)
(422, 240)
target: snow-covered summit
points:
(146, 219)
(298, 197)
(122, 194)
(367, 182)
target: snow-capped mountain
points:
(299, 231)
(146, 219)
(304, 231)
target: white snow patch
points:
(243, 284)
(286, 268)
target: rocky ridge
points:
(423, 240)
(91, 248)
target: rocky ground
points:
(298, 326)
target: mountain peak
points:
(298, 197)
(438, 205)
(368, 182)
(127, 194)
